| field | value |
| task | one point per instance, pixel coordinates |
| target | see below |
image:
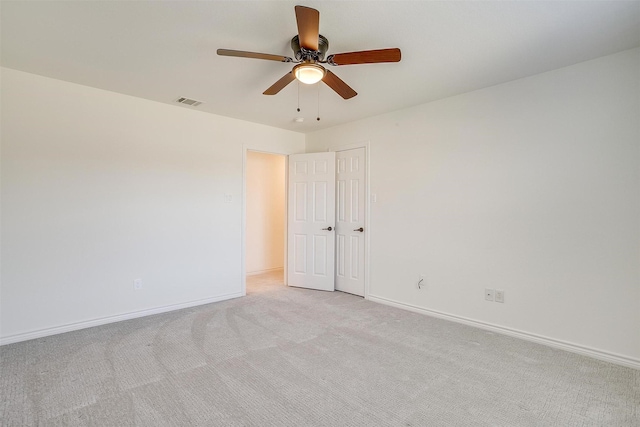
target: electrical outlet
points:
(137, 284)
(488, 294)
(499, 295)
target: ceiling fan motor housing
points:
(302, 54)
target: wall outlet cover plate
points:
(488, 294)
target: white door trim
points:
(367, 223)
(243, 249)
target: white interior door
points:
(350, 232)
(311, 221)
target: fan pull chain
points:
(318, 118)
(298, 96)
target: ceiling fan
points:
(309, 49)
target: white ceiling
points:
(163, 50)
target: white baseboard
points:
(563, 345)
(270, 270)
(111, 319)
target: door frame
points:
(243, 249)
(367, 202)
(367, 223)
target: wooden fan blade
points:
(365, 57)
(243, 54)
(336, 83)
(280, 84)
(308, 27)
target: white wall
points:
(532, 186)
(99, 189)
(265, 195)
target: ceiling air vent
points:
(187, 101)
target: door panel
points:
(311, 248)
(300, 251)
(300, 197)
(350, 186)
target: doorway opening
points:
(265, 220)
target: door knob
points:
(359, 229)
(328, 228)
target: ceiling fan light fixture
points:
(309, 73)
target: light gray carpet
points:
(291, 357)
